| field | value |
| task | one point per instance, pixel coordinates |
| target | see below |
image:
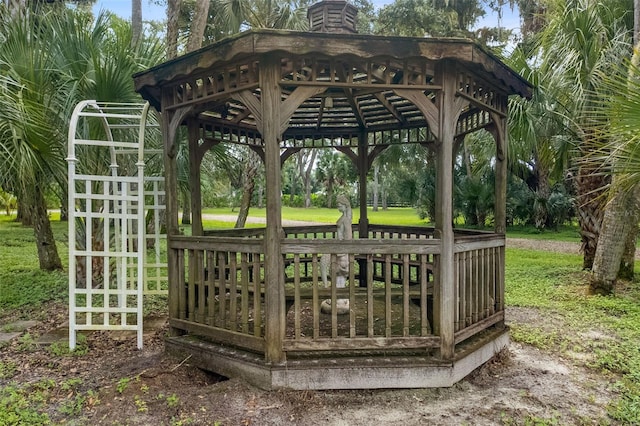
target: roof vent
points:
(332, 16)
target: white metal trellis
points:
(114, 212)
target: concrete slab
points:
(60, 334)
(10, 331)
(7, 337)
(18, 326)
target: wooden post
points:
(363, 223)
(450, 109)
(194, 178)
(171, 200)
(500, 208)
(499, 132)
(274, 268)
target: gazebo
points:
(426, 304)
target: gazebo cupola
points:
(332, 16)
(426, 304)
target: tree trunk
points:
(591, 200)
(136, 22)
(260, 196)
(198, 25)
(173, 14)
(376, 186)
(186, 207)
(248, 186)
(627, 264)
(620, 217)
(307, 179)
(24, 213)
(64, 205)
(542, 193)
(46, 244)
(330, 193)
(385, 197)
(636, 22)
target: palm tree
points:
(583, 40)
(620, 223)
(277, 14)
(32, 151)
(43, 74)
(535, 157)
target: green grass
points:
(23, 286)
(554, 284)
(395, 215)
(404, 216)
(563, 233)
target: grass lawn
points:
(396, 215)
(404, 216)
(550, 284)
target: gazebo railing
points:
(386, 314)
(479, 282)
(220, 289)
(392, 288)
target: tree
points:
(414, 18)
(136, 21)
(334, 171)
(198, 25)
(466, 12)
(620, 222)
(173, 15)
(43, 75)
(277, 14)
(535, 154)
(31, 150)
(584, 40)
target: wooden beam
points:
(389, 106)
(429, 110)
(351, 100)
(205, 146)
(346, 150)
(363, 224)
(499, 132)
(288, 153)
(251, 102)
(295, 99)
(194, 176)
(449, 109)
(270, 108)
(171, 196)
(377, 150)
(258, 150)
(481, 105)
(211, 98)
(376, 87)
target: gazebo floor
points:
(362, 371)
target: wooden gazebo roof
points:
(356, 82)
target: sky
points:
(151, 11)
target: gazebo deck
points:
(393, 289)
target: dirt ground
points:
(521, 386)
(123, 386)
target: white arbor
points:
(115, 239)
